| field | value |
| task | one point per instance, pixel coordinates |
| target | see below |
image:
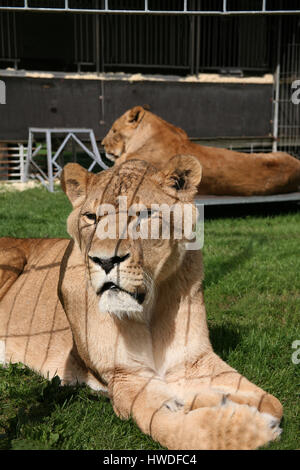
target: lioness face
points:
(117, 225)
(121, 132)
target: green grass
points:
(252, 291)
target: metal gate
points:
(287, 94)
(289, 107)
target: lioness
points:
(141, 134)
(127, 315)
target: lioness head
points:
(136, 127)
(121, 132)
(112, 222)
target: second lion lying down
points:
(129, 318)
(138, 133)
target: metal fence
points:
(8, 39)
(167, 37)
(12, 162)
(180, 44)
(289, 109)
(184, 7)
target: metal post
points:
(276, 108)
(277, 92)
(29, 156)
(49, 161)
(22, 167)
(192, 45)
(97, 41)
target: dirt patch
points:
(18, 186)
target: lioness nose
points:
(108, 263)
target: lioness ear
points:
(73, 180)
(181, 176)
(135, 115)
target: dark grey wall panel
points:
(201, 109)
(48, 103)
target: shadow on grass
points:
(215, 271)
(48, 397)
(224, 339)
(269, 209)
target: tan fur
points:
(141, 134)
(156, 363)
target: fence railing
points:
(12, 162)
(182, 7)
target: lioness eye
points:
(90, 216)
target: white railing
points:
(13, 163)
(265, 8)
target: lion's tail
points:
(225, 427)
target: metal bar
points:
(8, 37)
(39, 169)
(29, 155)
(63, 130)
(2, 34)
(277, 91)
(15, 37)
(82, 145)
(41, 180)
(86, 26)
(61, 147)
(80, 40)
(198, 30)
(75, 41)
(228, 200)
(92, 165)
(36, 151)
(96, 48)
(22, 161)
(49, 161)
(154, 12)
(96, 151)
(291, 64)
(192, 45)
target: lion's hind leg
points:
(12, 262)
